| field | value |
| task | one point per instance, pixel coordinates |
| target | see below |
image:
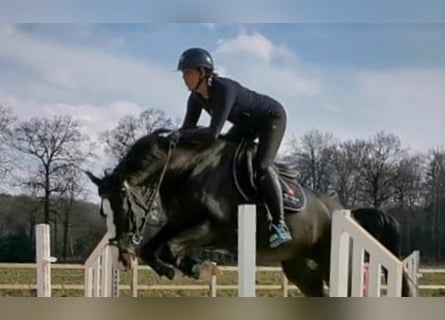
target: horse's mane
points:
(139, 155)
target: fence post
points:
(284, 285)
(135, 279)
(339, 256)
(213, 280)
(43, 260)
(246, 250)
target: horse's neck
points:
(190, 157)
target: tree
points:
(7, 119)
(379, 169)
(51, 147)
(408, 182)
(130, 128)
(73, 189)
(346, 160)
(435, 186)
(314, 155)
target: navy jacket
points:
(228, 101)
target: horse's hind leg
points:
(306, 275)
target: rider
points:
(249, 112)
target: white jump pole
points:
(43, 260)
(246, 250)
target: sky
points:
(349, 79)
(319, 11)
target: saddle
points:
(294, 197)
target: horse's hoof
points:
(165, 270)
(196, 272)
(170, 273)
(190, 267)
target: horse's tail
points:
(382, 226)
(393, 241)
(391, 236)
(386, 229)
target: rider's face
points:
(191, 78)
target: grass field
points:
(68, 276)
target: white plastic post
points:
(284, 285)
(339, 256)
(43, 260)
(134, 280)
(102, 271)
(106, 273)
(375, 277)
(213, 280)
(246, 250)
(357, 281)
(411, 265)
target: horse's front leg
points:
(197, 236)
(186, 264)
(150, 252)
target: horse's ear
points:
(93, 178)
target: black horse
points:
(200, 187)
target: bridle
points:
(136, 232)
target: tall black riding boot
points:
(270, 190)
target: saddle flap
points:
(294, 198)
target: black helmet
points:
(195, 58)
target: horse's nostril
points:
(127, 258)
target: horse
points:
(200, 186)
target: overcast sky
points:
(348, 79)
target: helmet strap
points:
(199, 83)
(201, 79)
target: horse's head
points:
(123, 193)
(121, 221)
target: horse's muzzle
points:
(127, 259)
(126, 254)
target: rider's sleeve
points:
(193, 113)
(223, 98)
